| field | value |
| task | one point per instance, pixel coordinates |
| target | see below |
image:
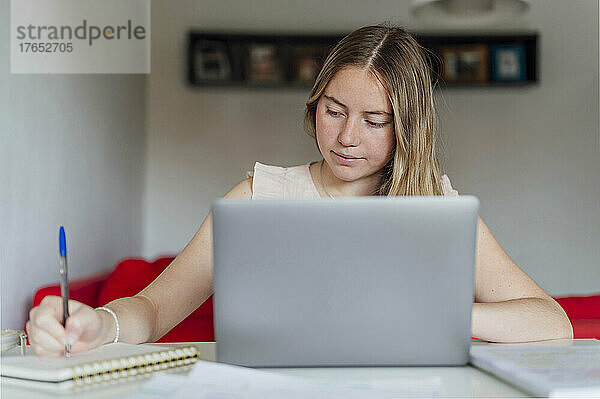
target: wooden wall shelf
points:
(292, 61)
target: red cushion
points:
(581, 307)
(586, 328)
(129, 277)
(84, 290)
(192, 329)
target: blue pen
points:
(64, 281)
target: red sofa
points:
(584, 313)
(131, 275)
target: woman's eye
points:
(375, 124)
(333, 113)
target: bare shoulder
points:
(242, 190)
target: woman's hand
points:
(47, 335)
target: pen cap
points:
(62, 242)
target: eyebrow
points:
(335, 100)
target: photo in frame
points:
(211, 61)
(465, 63)
(307, 62)
(264, 64)
(508, 63)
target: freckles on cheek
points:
(323, 130)
(321, 120)
(319, 133)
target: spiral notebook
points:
(103, 364)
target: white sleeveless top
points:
(295, 182)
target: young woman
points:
(372, 115)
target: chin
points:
(347, 173)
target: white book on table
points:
(561, 368)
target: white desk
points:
(446, 381)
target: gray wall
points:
(72, 155)
(530, 154)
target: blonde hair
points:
(401, 66)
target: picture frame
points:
(465, 64)
(211, 61)
(264, 64)
(508, 63)
(307, 61)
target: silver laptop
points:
(367, 281)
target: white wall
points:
(4, 150)
(530, 154)
(72, 155)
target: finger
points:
(45, 341)
(45, 319)
(83, 324)
(74, 306)
(34, 331)
(51, 300)
(40, 351)
(55, 303)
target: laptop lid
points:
(363, 281)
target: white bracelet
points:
(114, 315)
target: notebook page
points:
(209, 380)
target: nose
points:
(349, 135)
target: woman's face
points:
(354, 125)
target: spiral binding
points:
(131, 366)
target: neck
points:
(364, 186)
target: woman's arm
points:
(183, 286)
(179, 290)
(510, 306)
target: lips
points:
(345, 156)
